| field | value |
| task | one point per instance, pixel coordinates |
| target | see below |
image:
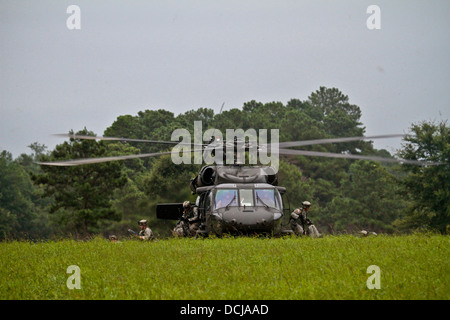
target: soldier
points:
(301, 224)
(189, 221)
(365, 233)
(113, 239)
(145, 233)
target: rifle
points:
(132, 232)
(184, 223)
(308, 223)
(304, 220)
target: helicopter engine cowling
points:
(271, 176)
(206, 177)
(212, 175)
(246, 174)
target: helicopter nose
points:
(261, 218)
(277, 216)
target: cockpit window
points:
(246, 197)
(226, 197)
(266, 197)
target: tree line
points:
(346, 195)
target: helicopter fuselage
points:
(234, 199)
(241, 208)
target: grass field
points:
(333, 267)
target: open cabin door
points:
(286, 206)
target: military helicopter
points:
(236, 198)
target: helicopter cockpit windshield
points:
(246, 198)
(267, 198)
(226, 198)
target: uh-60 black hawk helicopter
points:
(236, 198)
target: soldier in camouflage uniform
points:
(189, 221)
(301, 224)
(145, 233)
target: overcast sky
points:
(130, 56)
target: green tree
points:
(428, 187)
(298, 187)
(17, 210)
(168, 181)
(81, 194)
(369, 198)
(340, 118)
(149, 125)
(187, 119)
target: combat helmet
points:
(186, 204)
(306, 204)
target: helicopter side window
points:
(226, 197)
(246, 197)
(266, 197)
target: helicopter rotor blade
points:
(281, 144)
(84, 137)
(77, 162)
(354, 156)
(336, 140)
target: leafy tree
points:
(17, 210)
(298, 187)
(28, 160)
(149, 125)
(167, 181)
(307, 108)
(232, 119)
(428, 187)
(340, 118)
(187, 119)
(81, 194)
(369, 199)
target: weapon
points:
(308, 223)
(134, 233)
(184, 223)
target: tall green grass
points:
(333, 267)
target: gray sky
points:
(130, 56)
